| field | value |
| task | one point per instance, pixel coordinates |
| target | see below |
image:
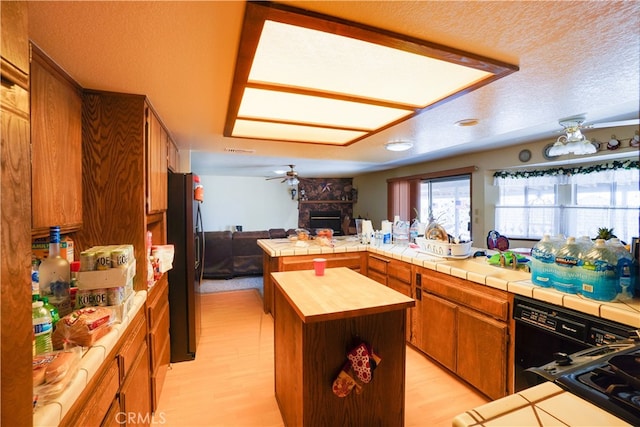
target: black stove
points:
(609, 387)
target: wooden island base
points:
(312, 339)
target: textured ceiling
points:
(574, 58)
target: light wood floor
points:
(231, 381)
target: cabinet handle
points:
(379, 259)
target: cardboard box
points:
(110, 278)
(120, 311)
(40, 248)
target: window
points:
(448, 200)
(574, 202)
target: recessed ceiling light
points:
(312, 78)
(398, 145)
(467, 122)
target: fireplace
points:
(326, 219)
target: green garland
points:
(520, 174)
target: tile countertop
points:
(542, 405)
(52, 413)
(472, 269)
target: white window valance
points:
(622, 172)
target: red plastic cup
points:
(318, 266)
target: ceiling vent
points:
(239, 150)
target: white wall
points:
(254, 203)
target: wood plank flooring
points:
(231, 381)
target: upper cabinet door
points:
(14, 42)
(56, 147)
(157, 138)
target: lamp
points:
(398, 145)
(573, 142)
(292, 181)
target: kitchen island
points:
(321, 318)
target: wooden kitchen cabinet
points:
(438, 326)
(482, 352)
(465, 327)
(110, 391)
(115, 140)
(173, 156)
(157, 137)
(56, 147)
(395, 274)
(159, 344)
(16, 329)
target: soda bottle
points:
(42, 327)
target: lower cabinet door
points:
(439, 330)
(135, 393)
(482, 352)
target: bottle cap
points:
(75, 266)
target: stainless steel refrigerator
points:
(185, 232)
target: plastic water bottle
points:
(568, 259)
(598, 273)
(42, 327)
(543, 262)
(413, 230)
(585, 243)
(626, 269)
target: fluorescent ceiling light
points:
(312, 78)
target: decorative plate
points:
(524, 156)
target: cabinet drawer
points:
(486, 300)
(114, 416)
(400, 271)
(378, 264)
(137, 333)
(305, 262)
(378, 277)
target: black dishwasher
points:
(551, 340)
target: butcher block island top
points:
(340, 294)
(320, 322)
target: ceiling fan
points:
(573, 140)
(291, 176)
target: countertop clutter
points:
(473, 269)
(541, 405)
(93, 357)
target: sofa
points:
(230, 254)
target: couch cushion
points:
(277, 233)
(218, 255)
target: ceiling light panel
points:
(301, 57)
(289, 132)
(298, 108)
(320, 79)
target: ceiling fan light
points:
(558, 149)
(293, 181)
(398, 145)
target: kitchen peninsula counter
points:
(321, 318)
(279, 251)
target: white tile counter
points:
(52, 413)
(473, 269)
(541, 406)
